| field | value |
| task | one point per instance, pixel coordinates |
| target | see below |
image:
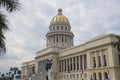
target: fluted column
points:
(67, 64)
(101, 55)
(79, 62)
(75, 62)
(61, 66)
(83, 61)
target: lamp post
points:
(48, 68)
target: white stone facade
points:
(97, 59)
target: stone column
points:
(69, 64)
(96, 59)
(101, 55)
(76, 63)
(63, 65)
(107, 60)
(66, 64)
(83, 62)
(79, 62)
(102, 76)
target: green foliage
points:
(13, 71)
(10, 6)
(3, 28)
(3, 75)
(19, 72)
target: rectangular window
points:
(105, 61)
(60, 66)
(119, 58)
(99, 61)
(85, 62)
(33, 69)
(81, 62)
(77, 63)
(74, 63)
(65, 64)
(94, 62)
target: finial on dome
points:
(59, 9)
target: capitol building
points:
(96, 59)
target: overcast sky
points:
(28, 27)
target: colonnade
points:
(60, 38)
(99, 58)
(73, 63)
(41, 66)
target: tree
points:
(10, 6)
(117, 44)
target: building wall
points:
(96, 59)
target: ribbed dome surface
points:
(59, 18)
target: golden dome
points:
(59, 18)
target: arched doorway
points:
(94, 76)
(105, 76)
(99, 76)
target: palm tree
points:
(117, 44)
(10, 6)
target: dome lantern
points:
(59, 18)
(59, 9)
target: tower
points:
(59, 34)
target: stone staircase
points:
(38, 77)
